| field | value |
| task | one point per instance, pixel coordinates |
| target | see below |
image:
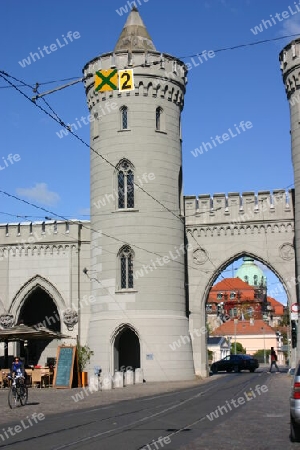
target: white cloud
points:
(40, 194)
(291, 26)
(84, 212)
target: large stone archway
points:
(38, 303)
(223, 228)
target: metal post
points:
(235, 324)
(264, 346)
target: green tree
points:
(259, 354)
(239, 348)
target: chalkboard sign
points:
(64, 367)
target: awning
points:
(23, 332)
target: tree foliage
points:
(239, 348)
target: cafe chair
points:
(36, 378)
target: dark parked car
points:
(295, 406)
(235, 363)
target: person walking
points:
(273, 360)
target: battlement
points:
(289, 59)
(239, 208)
(44, 231)
(157, 74)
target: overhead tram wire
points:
(182, 57)
(224, 49)
(61, 122)
(52, 213)
(56, 119)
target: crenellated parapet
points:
(35, 250)
(289, 59)
(236, 208)
(155, 74)
(31, 234)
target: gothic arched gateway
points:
(221, 229)
(38, 309)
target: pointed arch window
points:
(255, 280)
(125, 185)
(126, 267)
(124, 117)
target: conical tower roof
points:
(134, 35)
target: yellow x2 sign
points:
(112, 79)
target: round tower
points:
(289, 59)
(139, 312)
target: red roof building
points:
(233, 297)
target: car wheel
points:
(236, 369)
(252, 370)
(228, 370)
(295, 431)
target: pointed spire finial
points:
(134, 35)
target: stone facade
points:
(289, 65)
(133, 283)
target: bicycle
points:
(18, 392)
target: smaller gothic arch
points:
(126, 348)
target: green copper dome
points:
(251, 273)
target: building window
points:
(255, 280)
(125, 185)
(234, 312)
(124, 118)
(158, 118)
(126, 267)
(219, 295)
(246, 278)
(208, 308)
(250, 311)
(232, 294)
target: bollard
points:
(118, 380)
(129, 377)
(139, 376)
(106, 382)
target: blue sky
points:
(244, 84)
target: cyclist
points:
(17, 368)
(18, 391)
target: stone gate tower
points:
(137, 241)
(290, 66)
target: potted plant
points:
(84, 354)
